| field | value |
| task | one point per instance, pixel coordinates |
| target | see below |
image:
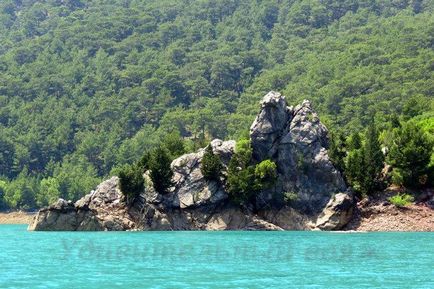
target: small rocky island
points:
(292, 137)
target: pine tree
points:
(337, 151)
(174, 144)
(410, 154)
(160, 172)
(354, 167)
(364, 161)
(211, 165)
(373, 160)
(131, 182)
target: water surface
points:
(214, 259)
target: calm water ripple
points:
(214, 259)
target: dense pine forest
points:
(89, 86)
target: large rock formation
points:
(102, 209)
(293, 138)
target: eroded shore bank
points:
(16, 218)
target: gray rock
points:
(102, 209)
(293, 137)
(297, 142)
(191, 189)
(337, 213)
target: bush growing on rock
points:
(241, 176)
(266, 173)
(160, 172)
(243, 150)
(290, 197)
(245, 180)
(241, 182)
(131, 182)
(211, 165)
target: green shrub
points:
(2, 194)
(244, 180)
(241, 182)
(131, 182)
(364, 161)
(401, 200)
(145, 161)
(160, 172)
(397, 177)
(175, 144)
(290, 197)
(410, 153)
(49, 192)
(211, 165)
(265, 173)
(243, 150)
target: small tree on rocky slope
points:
(160, 172)
(131, 182)
(211, 165)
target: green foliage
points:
(241, 181)
(410, 154)
(20, 193)
(337, 151)
(401, 200)
(97, 83)
(160, 171)
(373, 159)
(211, 165)
(76, 177)
(49, 192)
(245, 180)
(131, 181)
(144, 162)
(266, 173)
(364, 161)
(354, 169)
(243, 150)
(2, 194)
(290, 197)
(174, 143)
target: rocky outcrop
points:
(102, 209)
(337, 213)
(295, 139)
(292, 137)
(190, 187)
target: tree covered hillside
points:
(88, 86)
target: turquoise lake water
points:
(214, 259)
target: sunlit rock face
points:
(292, 137)
(296, 140)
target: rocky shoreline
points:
(377, 214)
(15, 218)
(291, 137)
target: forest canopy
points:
(88, 86)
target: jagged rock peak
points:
(273, 98)
(296, 140)
(292, 137)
